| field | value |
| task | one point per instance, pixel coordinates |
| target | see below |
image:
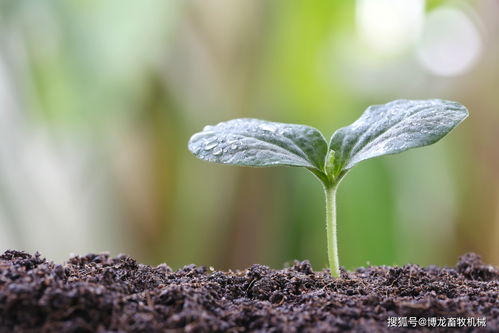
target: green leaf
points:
(259, 143)
(393, 128)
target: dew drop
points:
(197, 136)
(234, 146)
(210, 140)
(283, 131)
(267, 127)
(210, 146)
(217, 151)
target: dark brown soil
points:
(96, 293)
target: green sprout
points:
(381, 130)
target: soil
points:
(97, 293)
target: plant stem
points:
(332, 240)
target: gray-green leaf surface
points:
(259, 143)
(393, 128)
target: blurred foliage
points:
(99, 98)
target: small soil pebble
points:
(97, 293)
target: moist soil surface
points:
(97, 293)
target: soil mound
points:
(97, 293)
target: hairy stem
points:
(332, 240)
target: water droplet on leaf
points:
(217, 151)
(210, 146)
(267, 127)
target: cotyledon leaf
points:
(260, 143)
(393, 128)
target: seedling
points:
(381, 130)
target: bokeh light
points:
(389, 26)
(450, 44)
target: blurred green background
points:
(99, 98)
